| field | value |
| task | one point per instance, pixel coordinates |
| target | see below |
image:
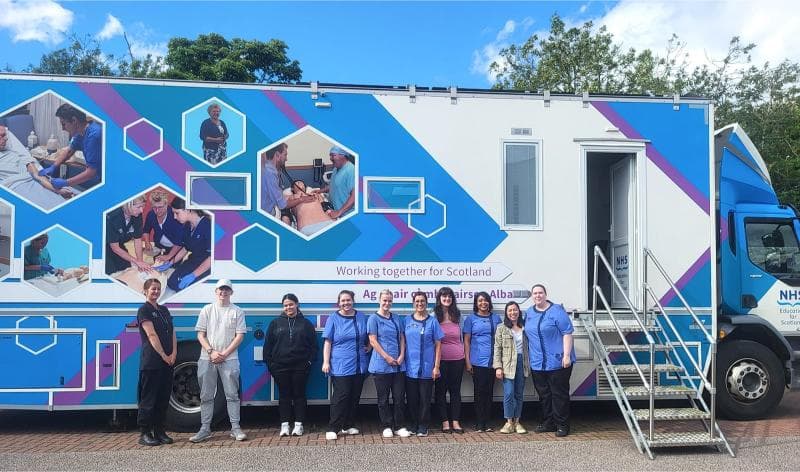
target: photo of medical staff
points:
(154, 235)
(50, 151)
(55, 262)
(307, 182)
(6, 219)
(213, 132)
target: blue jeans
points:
(513, 391)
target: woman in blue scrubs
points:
(423, 356)
(346, 360)
(479, 328)
(549, 332)
(387, 365)
(196, 242)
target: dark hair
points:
(507, 321)
(343, 292)
(149, 282)
(270, 154)
(540, 286)
(475, 301)
(419, 293)
(290, 296)
(438, 309)
(180, 204)
(68, 112)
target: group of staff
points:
(412, 357)
(409, 357)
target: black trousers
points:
(292, 394)
(344, 401)
(449, 382)
(394, 383)
(418, 395)
(155, 387)
(553, 389)
(483, 388)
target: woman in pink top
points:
(452, 363)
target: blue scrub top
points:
(172, 229)
(91, 144)
(481, 329)
(348, 336)
(545, 331)
(342, 184)
(421, 337)
(198, 241)
(388, 331)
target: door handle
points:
(749, 301)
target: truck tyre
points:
(183, 414)
(750, 381)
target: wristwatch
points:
(209, 351)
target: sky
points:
(397, 43)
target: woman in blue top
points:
(549, 332)
(196, 243)
(346, 360)
(423, 355)
(479, 328)
(387, 365)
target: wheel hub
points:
(747, 380)
(185, 396)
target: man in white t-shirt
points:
(220, 329)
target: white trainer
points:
(284, 429)
(403, 433)
(298, 429)
(387, 433)
(330, 436)
(238, 434)
(350, 431)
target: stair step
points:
(630, 368)
(626, 326)
(637, 347)
(684, 439)
(667, 414)
(660, 391)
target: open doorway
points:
(610, 209)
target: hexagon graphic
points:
(315, 188)
(143, 138)
(6, 237)
(69, 151)
(36, 343)
(256, 248)
(175, 241)
(210, 142)
(61, 259)
(432, 221)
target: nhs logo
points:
(789, 297)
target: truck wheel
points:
(749, 380)
(183, 414)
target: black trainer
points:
(162, 437)
(147, 439)
(562, 431)
(545, 428)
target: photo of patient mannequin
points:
(307, 182)
(56, 262)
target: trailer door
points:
(622, 209)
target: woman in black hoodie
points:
(289, 349)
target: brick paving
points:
(30, 432)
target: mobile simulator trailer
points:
(480, 191)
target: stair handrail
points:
(712, 385)
(649, 385)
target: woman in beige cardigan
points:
(511, 364)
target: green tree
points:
(213, 58)
(82, 57)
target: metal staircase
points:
(639, 349)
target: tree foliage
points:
(213, 58)
(765, 100)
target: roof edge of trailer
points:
(321, 88)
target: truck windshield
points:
(772, 246)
